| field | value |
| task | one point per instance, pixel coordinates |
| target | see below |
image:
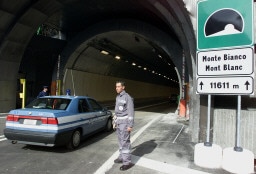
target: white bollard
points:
(238, 162)
(208, 156)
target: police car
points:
(57, 120)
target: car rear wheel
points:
(109, 125)
(75, 140)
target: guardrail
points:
(137, 102)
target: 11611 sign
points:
(225, 85)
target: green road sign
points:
(224, 24)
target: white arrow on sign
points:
(225, 85)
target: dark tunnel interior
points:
(124, 53)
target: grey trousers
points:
(124, 143)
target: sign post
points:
(237, 147)
(225, 66)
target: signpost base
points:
(238, 162)
(209, 144)
(208, 156)
(238, 149)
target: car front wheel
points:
(75, 140)
(109, 125)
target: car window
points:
(83, 106)
(95, 106)
(49, 103)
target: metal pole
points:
(183, 76)
(238, 120)
(73, 82)
(208, 143)
(180, 84)
(57, 92)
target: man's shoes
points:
(118, 161)
(126, 167)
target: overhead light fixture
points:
(133, 64)
(159, 56)
(118, 57)
(145, 68)
(139, 66)
(104, 52)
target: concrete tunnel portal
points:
(137, 30)
(127, 54)
(131, 55)
(151, 38)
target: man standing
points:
(124, 110)
(43, 92)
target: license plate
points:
(30, 122)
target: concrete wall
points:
(224, 129)
(102, 88)
(8, 83)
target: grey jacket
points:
(124, 109)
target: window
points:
(83, 106)
(49, 103)
(95, 106)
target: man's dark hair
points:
(121, 82)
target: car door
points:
(101, 115)
(86, 117)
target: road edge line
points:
(110, 162)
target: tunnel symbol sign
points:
(217, 25)
(224, 24)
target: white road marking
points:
(149, 163)
(110, 162)
(163, 167)
(3, 115)
(178, 134)
(2, 138)
(150, 105)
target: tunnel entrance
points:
(129, 52)
(160, 31)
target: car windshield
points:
(49, 103)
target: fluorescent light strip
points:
(104, 52)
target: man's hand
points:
(114, 121)
(129, 129)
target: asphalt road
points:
(93, 152)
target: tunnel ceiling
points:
(153, 64)
(138, 59)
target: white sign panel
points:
(225, 62)
(225, 85)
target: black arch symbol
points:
(219, 19)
